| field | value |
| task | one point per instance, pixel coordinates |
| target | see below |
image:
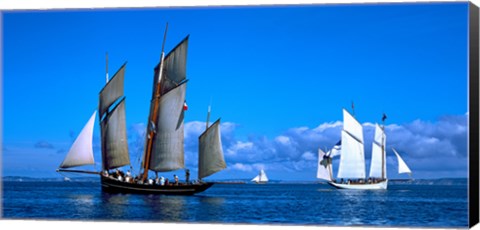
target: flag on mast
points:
(185, 106)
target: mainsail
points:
(402, 166)
(113, 124)
(352, 159)
(167, 147)
(164, 146)
(378, 163)
(81, 152)
(210, 159)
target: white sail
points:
(324, 167)
(378, 163)
(352, 158)
(210, 159)
(402, 166)
(261, 177)
(81, 152)
(352, 126)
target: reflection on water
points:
(212, 200)
(82, 205)
(171, 208)
(363, 206)
(116, 204)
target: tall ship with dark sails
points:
(164, 145)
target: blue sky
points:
(277, 76)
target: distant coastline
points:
(438, 181)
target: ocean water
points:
(402, 205)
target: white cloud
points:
(309, 156)
(283, 140)
(242, 167)
(239, 147)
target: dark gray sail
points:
(174, 67)
(112, 91)
(112, 122)
(114, 138)
(210, 159)
(167, 147)
(167, 151)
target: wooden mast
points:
(102, 139)
(154, 113)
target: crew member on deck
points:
(175, 177)
(187, 175)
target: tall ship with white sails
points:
(164, 146)
(351, 171)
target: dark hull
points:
(114, 186)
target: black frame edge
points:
(473, 139)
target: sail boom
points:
(77, 171)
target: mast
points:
(208, 116)
(383, 151)
(106, 67)
(153, 113)
(383, 145)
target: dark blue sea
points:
(413, 204)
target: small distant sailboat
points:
(352, 159)
(261, 178)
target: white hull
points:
(376, 186)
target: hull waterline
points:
(372, 186)
(115, 186)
